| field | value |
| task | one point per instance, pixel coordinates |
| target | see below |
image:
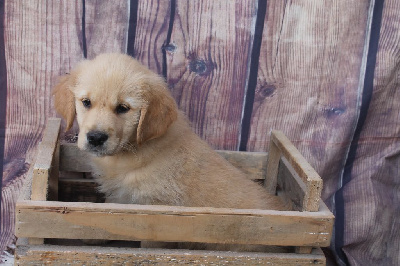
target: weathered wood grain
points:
(172, 223)
(46, 170)
(208, 68)
(291, 184)
(106, 26)
(41, 43)
(372, 197)
(253, 164)
(83, 255)
(271, 178)
(153, 18)
(308, 80)
(302, 168)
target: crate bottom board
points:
(91, 255)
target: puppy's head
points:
(118, 104)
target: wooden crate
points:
(41, 217)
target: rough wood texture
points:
(208, 69)
(251, 163)
(271, 179)
(64, 255)
(45, 172)
(304, 170)
(308, 80)
(291, 184)
(110, 17)
(153, 18)
(170, 223)
(41, 43)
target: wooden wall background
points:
(327, 73)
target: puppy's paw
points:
(95, 242)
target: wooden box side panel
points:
(284, 154)
(171, 223)
(84, 255)
(45, 172)
(253, 164)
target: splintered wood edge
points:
(305, 171)
(54, 254)
(70, 220)
(45, 157)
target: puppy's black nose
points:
(96, 138)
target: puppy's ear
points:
(158, 115)
(64, 101)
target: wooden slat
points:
(251, 163)
(308, 76)
(46, 164)
(271, 179)
(106, 24)
(84, 255)
(304, 170)
(291, 185)
(208, 70)
(152, 26)
(170, 223)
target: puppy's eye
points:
(86, 103)
(121, 109)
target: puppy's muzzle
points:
(96, 138)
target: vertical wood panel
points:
(106, 26)
(208, 69)
(308, 80)
(152, 27)
(42, 41)
(373, 194)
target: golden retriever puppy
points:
(143, 149)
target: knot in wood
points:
(334, 111)
(264, 92)
(200, 67)
(169, 48)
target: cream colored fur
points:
(151, 156)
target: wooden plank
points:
(291, 184)
(171, 223)
(44, 164)
(153, 18)
(274, 155)
(308, 75)
(208, 70)
(84, 255)
(106, 24)
(253, 164)
(305, 171)
(41, 43)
